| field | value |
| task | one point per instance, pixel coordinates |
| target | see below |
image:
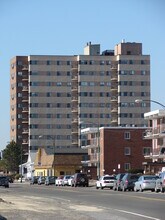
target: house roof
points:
(51, 151)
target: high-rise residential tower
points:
(53, 96)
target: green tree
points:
(12, 157)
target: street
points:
(24, 201)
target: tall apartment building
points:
(52, 96)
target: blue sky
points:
(62, 27)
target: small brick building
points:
(118, 149)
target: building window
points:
(102, 62)
(146, 151)
(48, 94)
(143, 93)
(101, 83)
(19, 63)
(127, 166)
(59, 83)
(19, 73)
(127, 151)
(49, 115)
(127, 135)
(33, 62)
(143, 72)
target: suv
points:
(50, 180)
(41, 180)
(128, 181)
(160, 183)
(34, 180)
(4, 181)
(80, 179)
(117, 181)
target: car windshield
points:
(67, 177)
(2, 177)
(108, 178)
(150, 178)
(134, 177)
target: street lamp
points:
(98, 145)
(21, 164)
(149, 100)
(53, 138)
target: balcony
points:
(114, 88)
(74, 131)
(25, 120)
(156, 132)
(157, 154)
(74, 89)
(25, 88)
(24, 141)
(25, 109)
(113, 68)
(113, 99)
(25, 77)
(94, 158)
(25, 98)
(93, 143)
(74, 78)
(114, 110)
(74, 99)
(25, 131)
(75, 110)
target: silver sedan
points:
(145, 182)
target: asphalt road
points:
(22, 201)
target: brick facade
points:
(113, 145)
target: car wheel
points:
(156, 190)
(135, 189)
(123, 189)
(162, 190)
(97, 187)
(118, 188)
(101, 186)
(141, 190)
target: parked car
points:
(21, 180)
(70, 180)
(59, 180)
(50, 180)
(10, 179)
(65, 180)
(117, 181)
(80, 179)
(34, 180)
(145, 182)
(4, 181)
(160, 183)
(106, 181)
(41, 180)
(128, 181)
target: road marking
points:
(142, 197)
(137, 214)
